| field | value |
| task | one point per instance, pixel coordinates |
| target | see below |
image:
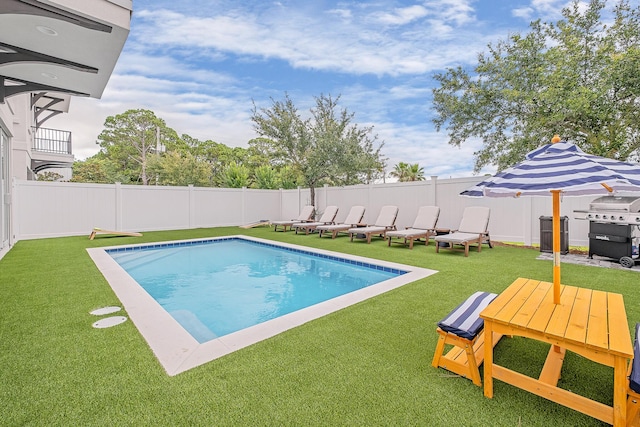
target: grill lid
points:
(616, 203)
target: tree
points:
(577, 78)
(266, 177)
(215, 155)
(178, 169)
(289, 178)
(326, 148)
(235, 176)
(138, 147)
(49, 176)
(129, 139)
(90, 170)
(400, 171)
(408, 172)
(98, 169)
(416, 173)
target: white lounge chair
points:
(306, 215)
(386, 221)
(473, 229)
(353, 218)
(423, 227)
(328, 217)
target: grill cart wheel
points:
(627, 262)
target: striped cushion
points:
(464, 321)
(634, 378)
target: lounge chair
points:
(423, 227)
(473, 229)
(328, 217)
(353, 218)
(306, 215)
(386, 221)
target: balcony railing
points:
(51, 141)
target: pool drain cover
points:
(108, 322)
(105, 310)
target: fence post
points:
(192, 207)
(433, 196)
(326, 197)
(14, 223)
(527, 208)
(118, 213)
(242, 214)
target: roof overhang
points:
(67, 46)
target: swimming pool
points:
(220, 286)
(183, 337)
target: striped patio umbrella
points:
(559, 168)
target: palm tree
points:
(406, 172)
(399, 171)
(415, 173)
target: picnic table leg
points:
(552, 369)
(620, 392)
(488, 359)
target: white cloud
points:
(457, 12)
(199, 69)
(402, 16)
(344, 14)
(430, 149)
(158, 65)
(523, 12)
(543, 9)
(182, 104)
(357, 45)
(414, 140)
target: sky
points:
(201, 64)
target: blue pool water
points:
(216, 287)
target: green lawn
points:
(369, 364)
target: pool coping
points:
(177, 351)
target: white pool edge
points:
(177, 351)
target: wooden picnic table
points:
(587, 322)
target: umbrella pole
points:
(556, 246)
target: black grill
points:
(612, 241)
(614, 228)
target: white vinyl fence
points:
(49, 209)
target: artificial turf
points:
(368, 364)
